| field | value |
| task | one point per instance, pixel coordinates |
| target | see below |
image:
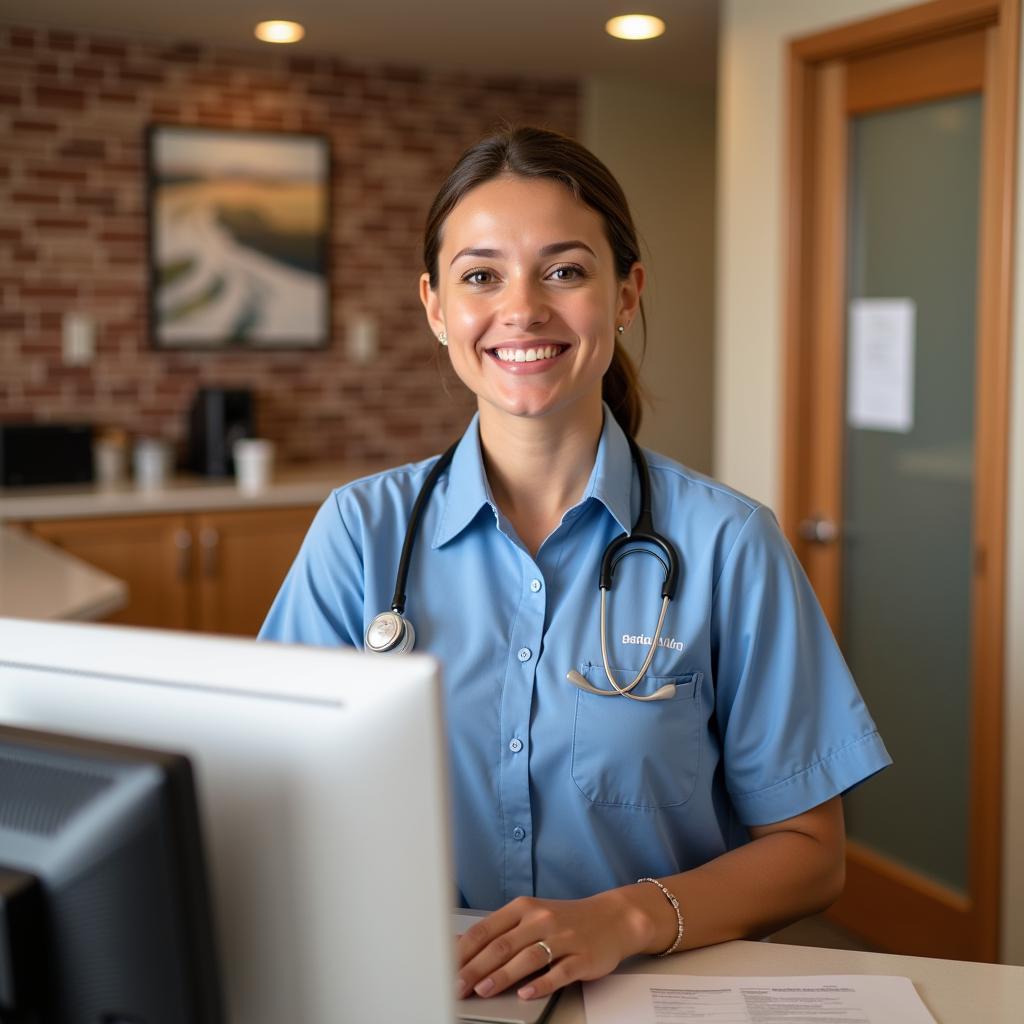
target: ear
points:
(431, 305)
(630, 290)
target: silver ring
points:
(547, 949)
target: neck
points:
(539, 468)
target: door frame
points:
(929, 919)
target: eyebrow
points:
(549, 250)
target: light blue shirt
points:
(561, 793)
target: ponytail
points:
(621, 390)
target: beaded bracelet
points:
(675, 906)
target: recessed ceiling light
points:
(635, 26)
(279, 31)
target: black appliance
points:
(219, 417)
(45, 453)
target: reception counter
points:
(954, 991)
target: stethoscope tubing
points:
(391, 632)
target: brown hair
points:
(537, 153)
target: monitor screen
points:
(106, 915)
(321, 784)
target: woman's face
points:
(528, 295)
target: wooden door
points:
(898, 302)
(152, 554)
(243, 560)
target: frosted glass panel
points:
(914, 196)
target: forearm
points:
(748, 892)
(787, 870)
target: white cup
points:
(109, 462)
(254, 463)
(152, 463)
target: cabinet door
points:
(243, 560)
(152, 554)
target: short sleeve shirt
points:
(561, 793)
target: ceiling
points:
(545, 38)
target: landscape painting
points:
(238, 238)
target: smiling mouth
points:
(537, 353)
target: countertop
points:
(39, 581)
(956, 992)
(291, 486)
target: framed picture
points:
(238, 238)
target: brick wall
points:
(73, 232)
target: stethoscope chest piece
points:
(390, 633)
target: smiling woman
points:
(705, 807)
(529, 298)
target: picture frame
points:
(239, 238)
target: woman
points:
(594, 826)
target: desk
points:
(954, 991)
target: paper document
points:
(880, 375)
(681, 999)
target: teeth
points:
(527, 355)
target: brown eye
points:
(478, 277)
(568, 272)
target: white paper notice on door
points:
(686, 999)
(880, 373)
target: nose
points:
(523, 304)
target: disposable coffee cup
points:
(151, 461)
(254, 463)
(108, 459)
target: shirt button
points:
(515, 745)
(518, 834)
(524, 654)
(535, 585)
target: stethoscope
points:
(392, 633)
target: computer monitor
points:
(104, 914)
(322, 799)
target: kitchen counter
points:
(38, 581)
(291, 486)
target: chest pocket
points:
(629, 753)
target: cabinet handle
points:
(209, 541)
(183, 542)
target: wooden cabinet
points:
(211, 571)
(152, 554)
(243, 558)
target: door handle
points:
(818, 530)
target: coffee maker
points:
(219, 417)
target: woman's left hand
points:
(588, 939)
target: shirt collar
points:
(467, 489)
(611, 480)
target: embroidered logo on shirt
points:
(643, 640)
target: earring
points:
(443, 337)
(621, 329)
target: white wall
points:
(659, 141)
(748, 380)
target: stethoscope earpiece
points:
(390, 633)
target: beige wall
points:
(748, 413)
(660, 143)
